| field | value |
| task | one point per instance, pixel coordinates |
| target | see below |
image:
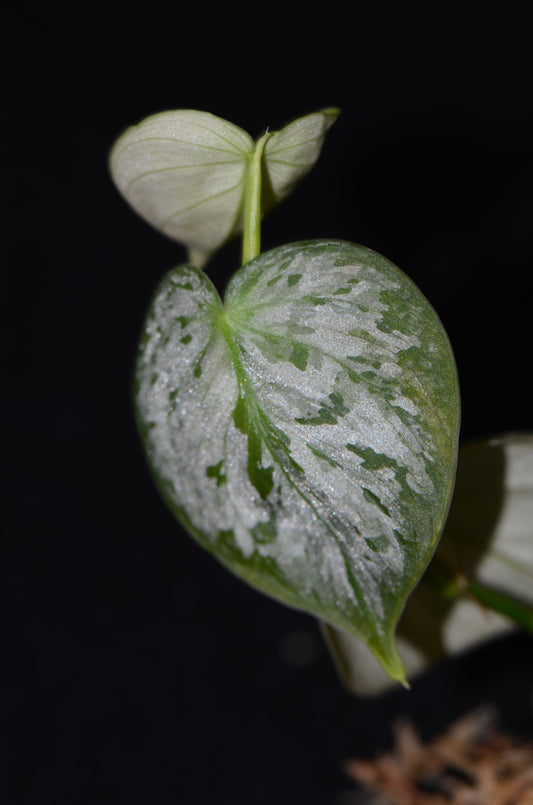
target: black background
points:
(133, 667)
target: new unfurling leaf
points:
(185, 172)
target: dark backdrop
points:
(134, 668)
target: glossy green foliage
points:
(305, 429)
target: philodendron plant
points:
(304, 429)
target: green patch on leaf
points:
(377, 544)
(265, 532)
(215, 471)
(274, 280)
(328, 413)
(260, 477)
(293, 279)
(323, 456)
(375, 499)
(299, 357)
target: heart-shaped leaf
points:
(487, 544)
(185, 172)
(305, 431)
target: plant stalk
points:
(455, 585)
(251, 238)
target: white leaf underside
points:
(185, 171)
(291, 152)
(298, 434)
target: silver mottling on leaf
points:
(315, 430)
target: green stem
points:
(251, 238)
(516, 611)
(454, 586)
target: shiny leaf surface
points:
(305, 430)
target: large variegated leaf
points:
(305, 430)
(487, 542)
(185, 172)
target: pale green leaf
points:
(305, 430)
(487, 543)
(291, 153)
(185, 172)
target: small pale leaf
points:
(185, 172)
(305, 431)
(291, 153)
(487, 540)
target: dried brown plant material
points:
(473, 763)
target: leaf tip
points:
(332, 112)
(387, 655)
